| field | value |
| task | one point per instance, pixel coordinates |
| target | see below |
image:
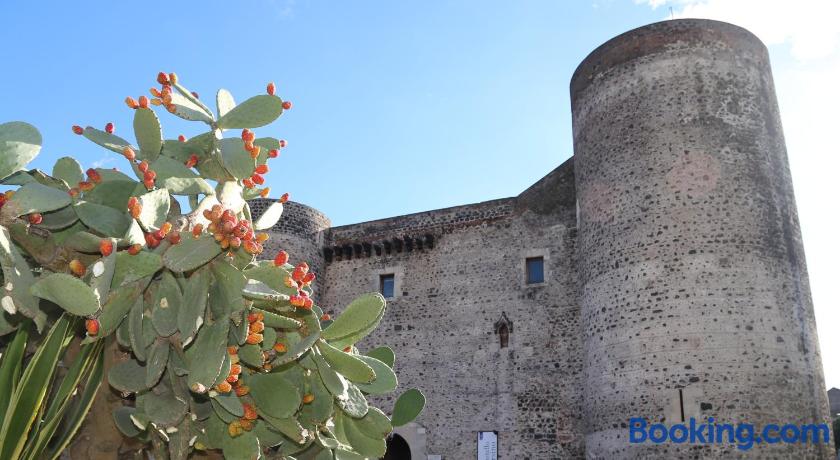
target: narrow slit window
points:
(534, 272)
(504, 336)
(386, 285)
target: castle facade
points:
(658, 274)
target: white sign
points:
(487, 445)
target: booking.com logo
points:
(744, 435)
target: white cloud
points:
(102, 162)
(804, 43)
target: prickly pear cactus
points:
(228, 352)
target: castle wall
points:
(676, 285)
(692, 272)
(441, 322)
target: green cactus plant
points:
(227, 352)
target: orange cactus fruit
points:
(287, 105)
(235, 428)
(94, 175)
(308, 398)
(78, 130)
(242, 390)
(174, 237)
(224, 387)
(106, 247)
(131, 103)
(256, 327)
(129, 154)
(197, 229)
(77, 268)
(254, 339)
(192, 161)
(250, 412)
(35, 218)
(261, 169)
(86, 186)
(135, 249)
(270, 88)
(280, 347)
(281, 258)
(92, 326)
(162, 78)
(325, 317)
(284, 198)
(251, 247)
(143, 102)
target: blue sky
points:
(405, 106)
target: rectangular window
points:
(534, 270)
(386, 285)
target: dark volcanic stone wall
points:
(441, 322)
(692, 272)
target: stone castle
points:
(659, 273)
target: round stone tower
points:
(300, 232)
(693, 287)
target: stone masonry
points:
(675, 281)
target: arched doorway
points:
(397, 448)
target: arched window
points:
(504, 335)
(503, 328)
(397, 448)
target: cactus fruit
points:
(92, 327)
(77, 267)
(270, 89)
(106, 247)
(78, 130)
(109, 128)
(129, 154)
